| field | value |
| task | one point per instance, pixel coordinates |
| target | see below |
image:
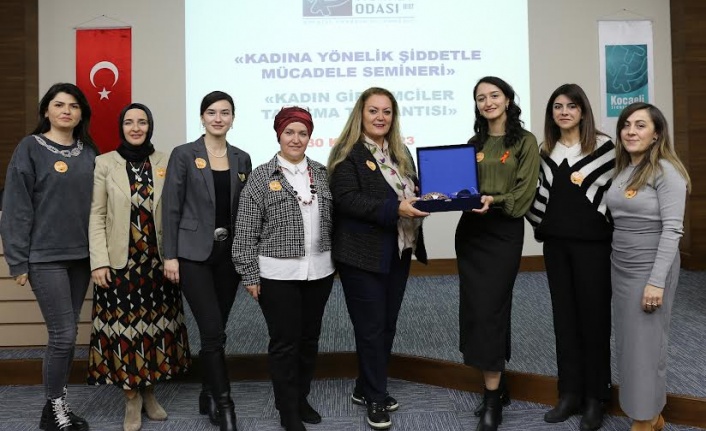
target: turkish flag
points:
(104, 74)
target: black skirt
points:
(488, 251)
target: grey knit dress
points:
(648, 227)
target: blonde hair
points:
(352, 134)
(660, 149)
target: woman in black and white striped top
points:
(569, 216)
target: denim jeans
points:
(60, 288)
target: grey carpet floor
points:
(428, 326)
(423, 408)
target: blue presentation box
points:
(448, 178)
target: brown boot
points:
(151, 405)
(133, 411)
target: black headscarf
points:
(136, 153)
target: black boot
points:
(504, 397)
(58, 419)
(592, 418)
(77, 422)
(207, 404)
(568, 405)
(214, 365)
(291, 421)
(226, 412)
(307, 412)
(492, 417)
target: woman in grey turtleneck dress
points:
(646, 200)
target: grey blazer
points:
(189, 199)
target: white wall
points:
(563, 48)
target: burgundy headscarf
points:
(290, 115)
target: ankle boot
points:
(504, 397)
(58, 419)
(568, 405)
(214, 365)
(151, 406)
(77, 422)
(133, 411)
(207, 404)
(492, 417)
(226, 412)
(592, 418)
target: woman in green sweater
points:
(489, 239)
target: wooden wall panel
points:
(689, 87)
(35, 334)
(28, 312)
(19, 74)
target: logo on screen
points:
(326, 8)
(626, 76)
(358, 9)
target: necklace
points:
(225, 150)
(76, 151)
(312, 188)
(138, 172)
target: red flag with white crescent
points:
(104, 74)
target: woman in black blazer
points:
(200, 202)
(376, 230)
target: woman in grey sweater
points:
(646, 200)
(44, 231)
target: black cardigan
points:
(365, 214)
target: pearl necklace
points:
(225, 150)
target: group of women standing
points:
(609, 216)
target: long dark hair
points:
(587, 126)
(513, 124)
(80, 132)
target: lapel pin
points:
(61, 166)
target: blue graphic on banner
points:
(626, 76)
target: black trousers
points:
(293, 310)
(210, 287)
(374, 301)
(579, 282)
